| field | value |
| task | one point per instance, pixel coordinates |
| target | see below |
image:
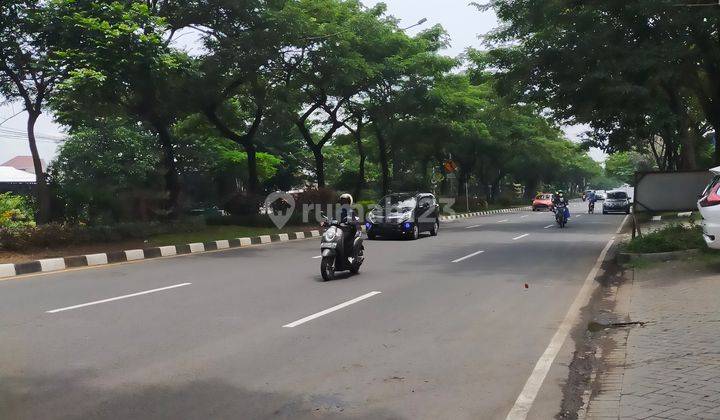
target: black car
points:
(404, 214)
(616, 202)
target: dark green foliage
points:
(671, 238)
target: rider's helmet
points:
(346, 199)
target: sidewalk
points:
(668, 368)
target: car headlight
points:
(371, 217)
(408, 216)
(330, 234)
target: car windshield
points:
(617, 196)
(396, 202)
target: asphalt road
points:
(443, 339)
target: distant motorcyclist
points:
(592, 199)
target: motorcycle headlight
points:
(330, 234)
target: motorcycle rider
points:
(560, 198)
(348, 223)
(592, 199)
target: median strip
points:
(468, 256)
(115, 257)
(97, 302)
(330, 310)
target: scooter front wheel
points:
(327, 268)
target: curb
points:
(483, 213)
(60, 264)
(678, 216)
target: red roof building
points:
(23, 163)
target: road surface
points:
(253, 333)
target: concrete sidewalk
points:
(668, 368)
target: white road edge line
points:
(527, 215)
(521, 236)
(97, 302)
(473, 227)
(468, 256)
(502, 221)
(525, 400)
(549, 226)
(330, 310)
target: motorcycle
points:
(591, 207)
(339, 254)
(561, 214)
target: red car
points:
(542, 202)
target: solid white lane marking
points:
(330, 310)
(319, 256)
(525, 400)
(527, 215)
(473, 227)
(97, 302)
(521, 236)
(468, 256)
(549, 226)
(502, 221)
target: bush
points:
(316, 196)
(51, 235)
(476, 204)
(244, 204)
(16, 211)
(671, 238)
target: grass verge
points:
(675, 237)
(215, 233)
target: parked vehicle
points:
(617, 202)
(404, 214)
(709, 206)
(561, 214)
(341, 250)
(600, 195)
(542, 202)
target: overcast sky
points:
(464, 23)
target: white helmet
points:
(346, 197)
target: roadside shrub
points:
(244, 204)
(476, 204)
(316, 196)
(51, 235)
(16, 211)
(675, 237)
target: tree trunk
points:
(361, 170)
(384, 169)
(319, 165)
(41, 189)
(253, 178)
(687, 159)
(172, 180)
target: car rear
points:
(709, 206)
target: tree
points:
(108, 174)
(122, 65)
(633, 70)
(622, 166)
(28, 73)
